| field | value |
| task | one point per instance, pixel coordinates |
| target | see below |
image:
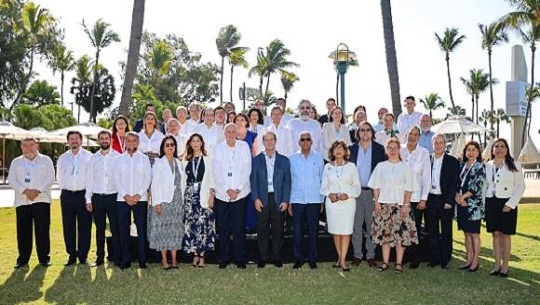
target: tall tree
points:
(101, 36)
(391, 56)
(432, 102)
(62, 60)
(492, 35)
(41, 93)
(161, 57)
(287, 81)
(477, 83)
(237, 58)
(448, 44)
(276, 60)
(81, 81)
(104, 93)
(135, 37)
(37, 24)
(259, 69)
(500, 116)
(228, 38)
(527, 15)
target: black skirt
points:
(497, 220)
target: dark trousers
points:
(37, 215)
(305, 214)
(419, 215)
(77, 223)
(104, 206)
(124, 220)
(439, 227)
(231, 218)
(270, 220)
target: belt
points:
(366, 188)
(436, 195)
(98, 194)
(73, 192)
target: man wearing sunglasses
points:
(366, 154)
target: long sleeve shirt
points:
(297, 126)
(212, 135)
(406, 121)
(35, 174)
(72, 169)
(306, 177)
(285, 142)
(100, 174)
(133, 175)
(330, 135)
(232, 169)
(419, 161)
(150, 144)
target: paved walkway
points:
(531, 195)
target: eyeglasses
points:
(169, 145)
(305, 139)
(305, 107)
(365, 130)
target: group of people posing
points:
(219, 173)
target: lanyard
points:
(339, 175)
(464, 174)
(122, 144)
(195, 163)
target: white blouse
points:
(341, 179)
(151, 144)
(330, 135)
(505, 184)
(393, 180)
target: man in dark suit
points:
(440, 203)
(366, 154)
(271, 192)
(330, 105)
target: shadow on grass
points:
(72, 286)
(30, 283)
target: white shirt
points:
(382, 136)
(270, 163)
(100, 174)
(330, 135)
(436, 167)
(212, 135)
(232, 169)
(189, 126)
(504, 183)
(297, 126)
(72, 169)
(133, 175)
(406, 121)
(341, 179)
(286, 118)
(420, 164)
(393, 180)
(285, 142)
(36, 174)
(151, 144)
(180, 142)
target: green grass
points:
(187, 285)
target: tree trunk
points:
(266, 90)
(24, 84)
(62, 88)
(231, 90)
(93, 90)
(135, 37)
(492, 105)
(472, 110)
(527, 113)
(221, 80)
(286, 94)
(450, 81)
(391, 56)
(476, 107)
(261, 80)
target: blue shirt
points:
(363, 164)
(425, 141)
(306, 177)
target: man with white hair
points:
(284, 143)
(426, 134)
(195, 117)
(212, 134)
(305, 123)
(166, 116)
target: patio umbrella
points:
(529, 154)
(457, 147)
(458, 124)
(88, 130)
(9, 131)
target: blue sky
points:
(311, 31)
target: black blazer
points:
(377, 154)
(449, 178)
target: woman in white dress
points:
(150, 137)
(393, 183)
(335, 130)
(341, 186)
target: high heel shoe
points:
(195, 260)
(474, 269)
(495, 272)
(201, 262)
(464, 267)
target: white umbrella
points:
(457, 147)
(86, 129)
(458, 124)
(9, 131)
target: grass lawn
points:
(187, 285)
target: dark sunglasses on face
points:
(305, 139)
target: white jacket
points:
(208, 180)
(163, 181)
(507, 184)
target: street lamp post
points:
(342, 57)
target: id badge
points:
(433, 187)
(196, 186)
(229, 174)
(27, 178)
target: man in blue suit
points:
(365, 154)
(270, 192)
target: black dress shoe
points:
(46, 264)
(124, 266)
(223, 265)
(346, 269)
(414, 265)
(261, 264)
(97, 263)
(356, 262)
(312, 265)
(464, 267)
(19, 265)
(298, 264)
(70, 262)
(433, 264)
(83, 262)
(495, 272)
(474, 269)
(241, 265)
(371, 263)
(445, 266)
(505, 275)
(143, 265)
(278, 263)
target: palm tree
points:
(432, 102)
(62, 60)
(237, 58)
(101, 37)
(492, 35)
(526, 15)
(259, 69)
(228, 38)
(287, 81)
(448, 43)
(83, 75)
(36, 22)
(533, 95)
(276, 60)
(391, 57)
(458, 110)
(161, 57)
(477, 83)
(135, 37)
